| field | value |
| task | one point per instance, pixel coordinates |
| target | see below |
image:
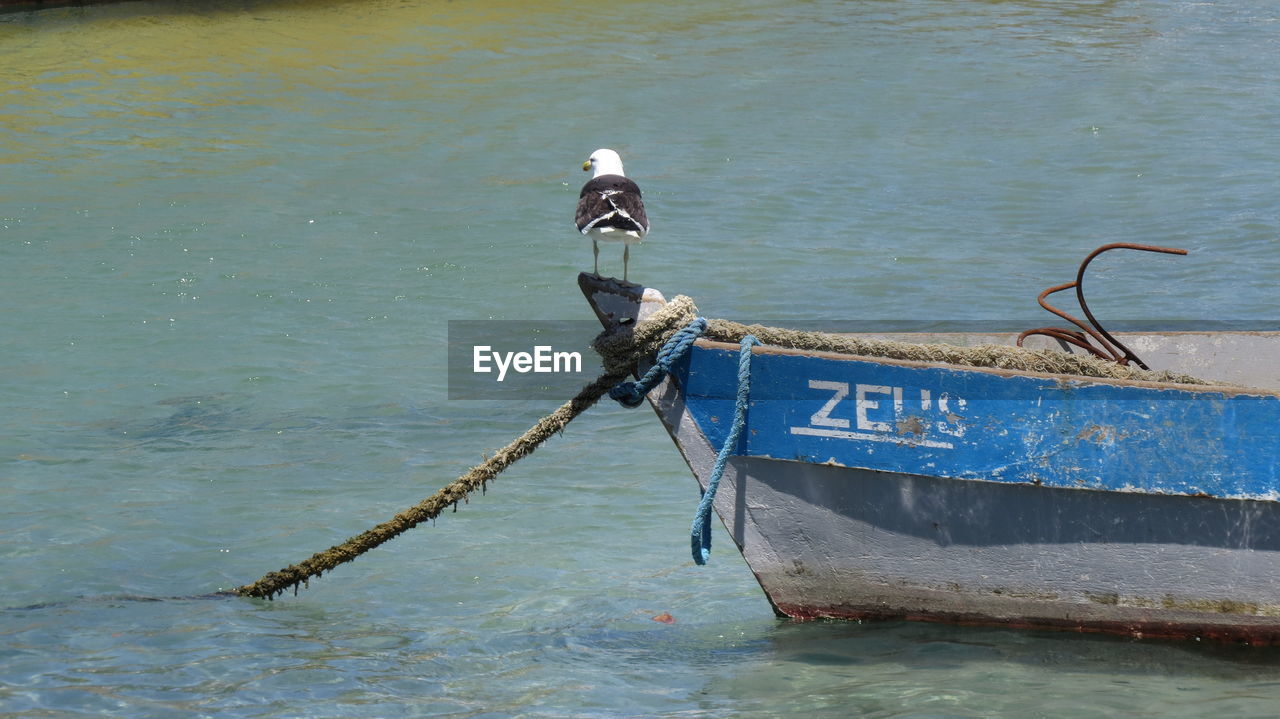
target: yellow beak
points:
(586, 165)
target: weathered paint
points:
(972, 424)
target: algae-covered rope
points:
(277, 582)
(619, 349)
(987, 355)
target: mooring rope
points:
(277, 582)
(619, 350)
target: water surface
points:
(232, 236)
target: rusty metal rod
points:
(1108, 351)
(1078, 339)
(1111, 348)
(1128, 354)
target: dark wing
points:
(611, 201)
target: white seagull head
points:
(605, 162)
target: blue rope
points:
(631, 394)
(700, 533)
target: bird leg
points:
(626, 255)
(595, 250)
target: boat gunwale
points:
(1224, 389)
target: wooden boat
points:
(880, 489)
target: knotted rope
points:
(631, 394)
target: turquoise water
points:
(232, 236)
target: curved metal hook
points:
(1129, 356)
(1111, 348)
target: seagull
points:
(610, 208)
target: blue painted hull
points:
(974, 424)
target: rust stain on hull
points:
(1258, 635)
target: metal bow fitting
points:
(1108, 347)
